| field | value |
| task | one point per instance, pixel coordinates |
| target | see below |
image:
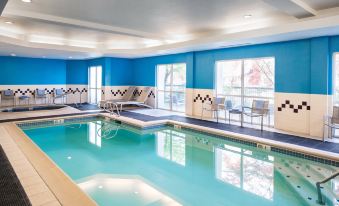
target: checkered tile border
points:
(48, 91)
(207, 98)
(119, 92)
(138, 93)
(295, 108)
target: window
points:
(336, 80)
(245, 80)
(171, 85)
(94, 84)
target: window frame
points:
(171, 87)
(242, 95)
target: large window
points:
(336, 80)
(94, 84)
(245, 80)
(171, 85)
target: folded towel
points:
(8, 93)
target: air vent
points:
(264, 147)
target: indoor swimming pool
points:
(119, 164)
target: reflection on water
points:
(179, 164)
(171, 146)
(235, 166)
(124, 190)
(94, 133)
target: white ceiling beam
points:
(297, 8)
(79, 23)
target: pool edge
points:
(56, 180)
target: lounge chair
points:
(8, 95)
(215, 106)
(40, 94)
(332, 123)
(57, 94)
(259, 109)
(127, 97)
(140, 101)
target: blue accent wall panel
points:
(31, 71)
(292, 62)
(320, 74)
(144, 69)
(77, 72)
(119, 72)
(115, 71)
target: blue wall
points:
(77, 72)
(31, 71)
(301, 66)
(115, 71)
(144, 69)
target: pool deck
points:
(45, 184)
(276, 136)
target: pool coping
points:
(55, 178)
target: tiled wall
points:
(302, 113)
(118, 92)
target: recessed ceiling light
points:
(27, 1)
(247, 16)
(8, 22)
(70, 57)
(13, 55)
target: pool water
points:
(120, 165)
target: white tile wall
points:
(74, 95)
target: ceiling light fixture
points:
(70, 57)
(8, 22)
(247, 16)
(27, 1)
(13, 55)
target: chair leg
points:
(217, 114)
(262, 122)
(225, 116)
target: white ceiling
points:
(129, 28)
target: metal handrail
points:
(320, 196)
(109, 107)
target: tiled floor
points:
(292, 139)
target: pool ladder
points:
(320, 196)
(112, 108)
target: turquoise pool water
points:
(120, 165)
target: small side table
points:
(24, 98)
(235, 111)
